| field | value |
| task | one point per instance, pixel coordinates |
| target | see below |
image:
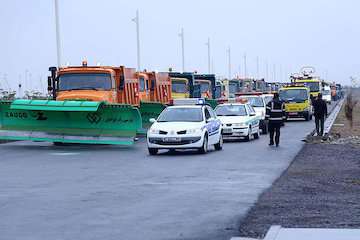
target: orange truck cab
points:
(110, 84)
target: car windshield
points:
(293, 95)
(231, 110)
(84, 81)
(314, 86)
(204, 87)
(255, 101)
(178, 87)
(181, 115)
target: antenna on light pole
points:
(274, 72)
(245, 73)
(209, 57)
(229, 61)
(181, 35)
(58, 39)
(137, 22)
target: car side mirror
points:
(152, 120)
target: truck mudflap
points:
(69, 121)
(150, 110)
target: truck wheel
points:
(204, 147)
(307, 116)
(218, 146)
(153, 151)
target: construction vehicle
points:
(182, 85)
(297, 101)
(308, 79)
(207, 83)
(93, 105)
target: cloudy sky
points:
(284, 35)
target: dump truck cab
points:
(86, 84)
(182, 85)
(207, 84)
(297, 101)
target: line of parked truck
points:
(112, 104)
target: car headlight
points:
(154, 131)
(194, 130)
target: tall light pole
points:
(137, 22)
(181, 35)
(267, 70)
(58, 39)
(274, 72)
(257, 68)
(209, 57)
(229, 61)
(245, 70)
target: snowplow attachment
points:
(69, 121)
(150, 110)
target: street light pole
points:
(58, 39)
(245, 70)
(137, 22)
(267, 71)
(229, 61)
(257, 68)
(209, 57)
(181, 35)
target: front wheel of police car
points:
(153, 151)
(218, 146)
(205, 145)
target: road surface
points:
(110, 192)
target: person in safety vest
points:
(275, 113)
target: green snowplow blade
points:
(150, 110)
(69, 121)
(212, 102)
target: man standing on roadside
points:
(320, 113)
(275, 113)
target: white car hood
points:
(233, 119)
(176, 126)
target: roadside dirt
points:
(321, 188)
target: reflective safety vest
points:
(275, 111)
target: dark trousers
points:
(274, 129)
(319, 123)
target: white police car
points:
(238, 120)
(258, 103)
(185, 127)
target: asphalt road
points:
(109, 192)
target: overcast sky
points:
(286, 34)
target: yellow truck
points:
(297, 101)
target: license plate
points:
(172, 139)
(227, 130)
(292, 113)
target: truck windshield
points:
(255, 101)
(181, 115)
(204, 86)
(231, 110)
(314, 86)
(293, 95)
(233, 88)
(179, 87)
(84, 81)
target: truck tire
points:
(307, 116)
